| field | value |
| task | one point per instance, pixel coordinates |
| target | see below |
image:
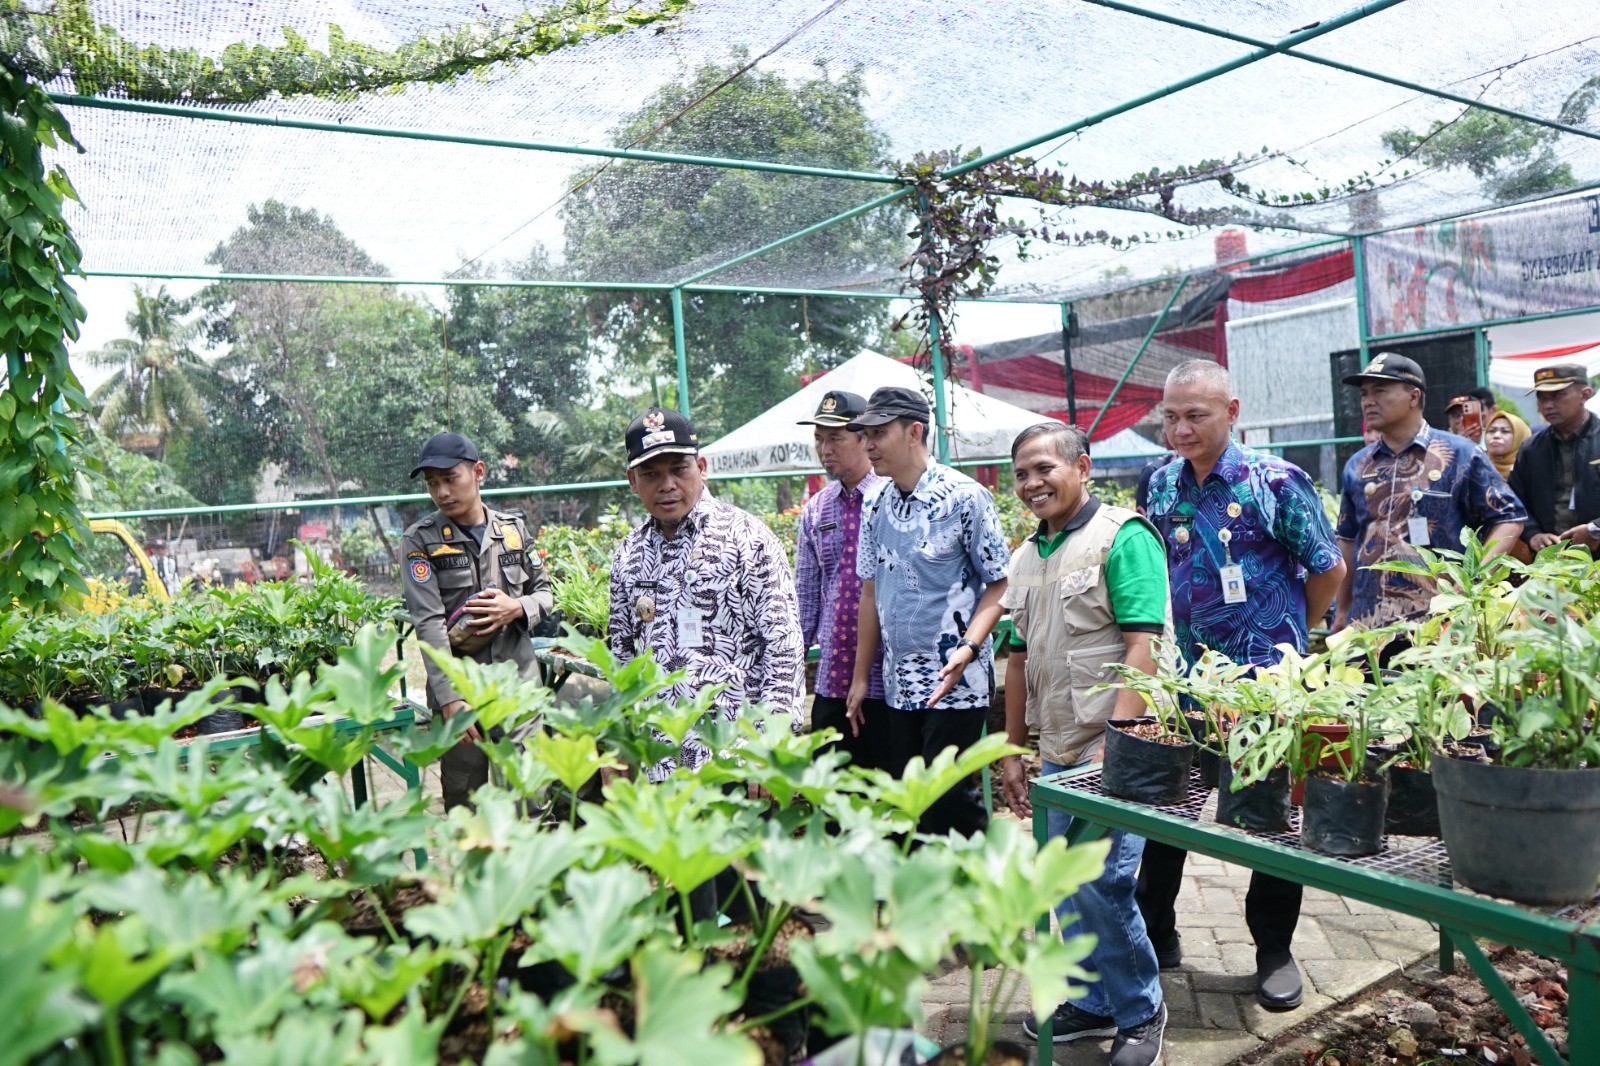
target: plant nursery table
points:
(1411, 875)
(555, 667)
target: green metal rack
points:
(1411, 876)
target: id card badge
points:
(691, 628)
(1417, 525)
(1232, 583)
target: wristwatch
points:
(1594, 529)
(977, 652)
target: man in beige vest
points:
(1089, 588)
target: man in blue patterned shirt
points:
(932, 562)
(826, 582)
(1413, 487)
(1253, 564)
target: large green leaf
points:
(921, 785)
(674, 828)
(505, 887)
(596, 924)
(679, 1009)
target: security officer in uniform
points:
(472, 586)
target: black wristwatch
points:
(977, 652)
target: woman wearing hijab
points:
(1502, 439)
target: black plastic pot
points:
(228, 717)
(132, 703)
(1144, 771)
(1261, 808)
(1343, 817)
(1413, 808)
(1527, 835)
(1003, 1051)
(1210, 767)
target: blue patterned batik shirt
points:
(1439, 476)
(1278, 532)
(931, 553)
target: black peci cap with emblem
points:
(836, 409)
(1555, 378)
(443, 451)
(1389, 366)
(660, 431)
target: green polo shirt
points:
(1135, 572)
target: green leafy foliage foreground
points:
(191, 904)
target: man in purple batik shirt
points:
(826, 582)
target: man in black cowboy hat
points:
(1557, 474)
(473, 587)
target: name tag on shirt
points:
(691, 628)
(1232, 583)
(1417, 531)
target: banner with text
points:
(1523, 261)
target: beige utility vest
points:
(1061, 608)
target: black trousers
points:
(870, 750)
(1271, 907)
(462, 771)
(926, 733)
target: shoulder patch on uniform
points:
(416, 555)
(421, 572)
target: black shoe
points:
(1069, 1024)
(1278, 985)
(1169, 952)
(1140, 1045)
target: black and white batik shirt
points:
(716, 601)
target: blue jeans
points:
(1129, 988)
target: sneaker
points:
(1140, 1045)
(1069, 1024)
(1169, 953)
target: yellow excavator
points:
(123, 568)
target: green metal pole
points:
(1480, 348)
(1066, 362)
(1148, 337)
(1316, 30)
(1358, 251)
(346, 279)
(1256, 42)
(283, 122)
(843, 216)
(941, 417)
(681, 352)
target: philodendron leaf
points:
(497, 692)
(597, 924)
(673, 828)
(413, 1040)
(1051, 967)
(312, 1037)
(856, 992)
(573, 760)
(34, 984)
(680, 1010)
(118, 960)
(426, 744)
(504, 887)
(377, 982)
(358, 684)
(922, 784)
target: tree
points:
(153, 390)
(1514, 159)
(633, 221)
(353, 376)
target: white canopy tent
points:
(982, 427)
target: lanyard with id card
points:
(1232, 574)
(1416, 524)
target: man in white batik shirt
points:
(703, 585)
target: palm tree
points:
(153, 390)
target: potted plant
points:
(1148, 759)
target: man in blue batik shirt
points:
(932, 562)
(1413, 487)
(1253, 564)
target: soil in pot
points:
(1523, 834)
(1312, 745)
(1413, 808)
(1003, 1053)
(1262, 807)
(1344, 817)
(1144, 764)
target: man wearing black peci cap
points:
(932, 561)
(826, 582)
(473, 588)
(1557, 474)
(703, 585)
(1414, 487)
